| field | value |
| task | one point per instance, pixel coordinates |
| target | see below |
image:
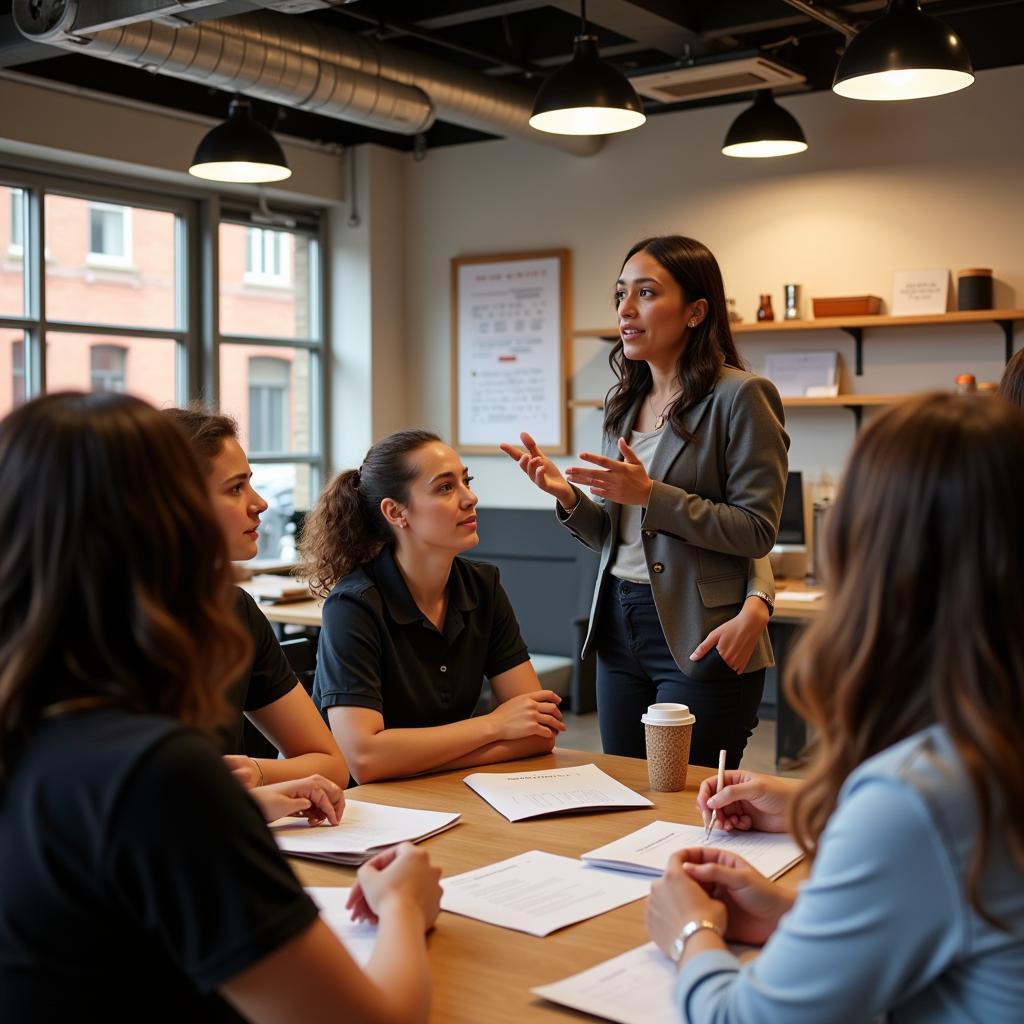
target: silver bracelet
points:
(687, 931)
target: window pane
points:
(12, 370)
(108, 264)
(269, 391)
(12, 251)
(289, 491)
(145, 367)
(266, 282)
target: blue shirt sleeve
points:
(879, 919)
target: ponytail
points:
(346, 528)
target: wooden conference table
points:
(482, 972)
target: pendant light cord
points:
(583, 17)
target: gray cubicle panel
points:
(549, 578)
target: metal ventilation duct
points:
(284, 60)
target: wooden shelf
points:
(586, 403)
(846, 401)
(843, 323)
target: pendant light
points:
(764, 129)
(587, 96)
(240, 150)
(903, 55)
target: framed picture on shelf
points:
(803, 374)
(920, 292)
(510, 331)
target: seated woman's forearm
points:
(502, 750)
(331, 766)
(396, 753)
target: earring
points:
(693, 323)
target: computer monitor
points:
(789, 556)
(791, 525)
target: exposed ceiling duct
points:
(316, 68)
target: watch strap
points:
(688, 931)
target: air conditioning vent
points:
(699, 81)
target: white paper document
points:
(634, 988)
(365, 829)
(814, 374)
(648, 849)
(538, 893)
(358, 939)
(799, 596)
(554, 791)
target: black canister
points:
(974, 288)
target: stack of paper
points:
(277, 589)
(538, 893)
(648, 849)
(358, 939)
(554, 791)
(365, 830)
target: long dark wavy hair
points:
(346, 527)
(1011, 386)
(925, 622)
(114, 578)
(709, 345)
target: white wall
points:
(883, 187)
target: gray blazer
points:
(714, 508)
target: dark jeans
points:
(635, 668)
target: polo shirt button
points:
(648, 533)
(444, 668)
(658, 567)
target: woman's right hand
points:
(528, 714)
(748, 801)
(542, 471)
(402, 873)
(753, 902)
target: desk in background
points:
(485, 973)
(789, 619)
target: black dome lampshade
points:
(587, 96)
(763, 130)
(240, 150)
(903, 55)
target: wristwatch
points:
(764, 597)
(689, 929)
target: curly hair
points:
(346, 528)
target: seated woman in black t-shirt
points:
(137, 878)
(410, 630)
(269, 695)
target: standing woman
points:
(268, 694)
(137, 878)
(410, 629)
(687, 495)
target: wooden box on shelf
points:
(847, 305)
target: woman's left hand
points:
(314, 798)
(625, 482)
(676, 899)
(736, 638)
(244, 769)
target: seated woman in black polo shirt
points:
(409, 629)
(268, 694)
(139, 881)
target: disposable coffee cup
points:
(669, 730)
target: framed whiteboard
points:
(510, 331)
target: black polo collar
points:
(395, 592)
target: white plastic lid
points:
(668, 714)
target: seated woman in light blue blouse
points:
(914, 808)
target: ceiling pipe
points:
(288, 61)
(825, 16)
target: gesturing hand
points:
(541, 470)
(403, 873)
(625, 482)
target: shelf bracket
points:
(1007, 326)
(857, 333)
(858, 415)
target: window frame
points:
(123, 260)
